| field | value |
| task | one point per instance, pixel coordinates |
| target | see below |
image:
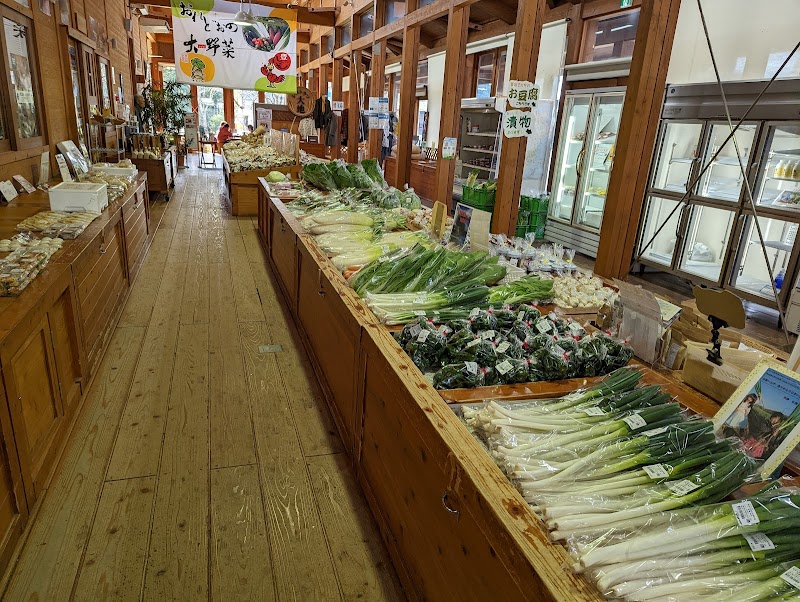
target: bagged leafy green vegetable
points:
(317, 174)
(412, 330)
(482, 320)
(360, 178)
(341, 176)
(513, 371)
(464, 375)
(521, 330)
(528, 313)
(408, 199)
(373, 170)
(479, 350)
(427, 349)
(551, 363)
(505, 317)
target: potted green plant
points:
(164, 110)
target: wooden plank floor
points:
(201, 468)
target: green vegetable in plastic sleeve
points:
(341, 176)
(505, 317)
(480, 351)
(373, 170)
(463, 375)
(528, 313)
(360, 178)
(482, 320)
(513, 371)
(427, 349)
(318, 175)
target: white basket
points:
(113, 170)
(78, 196)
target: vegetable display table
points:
(160, 172)
(242, 186)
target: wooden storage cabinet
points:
(13, 507)
(101, 279)
(135, 218)
(283, 254)
(63, 321)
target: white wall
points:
(750, 40)
(435, 93)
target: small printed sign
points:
(337, 105)
(379, 104)
(449, 148)
(517, 123)
(522, 94)
(8, 191)
(27, 186)
(44, 168)
(439, 219)
(63, 169)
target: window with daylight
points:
(610, 37)
(211, 111)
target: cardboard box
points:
(718, 382)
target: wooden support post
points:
(408, 98)
(511, 161)
(354, 112)
(336, 94)
(227, 106)
(636, 137)
(376, 84)
(450, 121)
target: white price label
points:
(472, 343)
(634, 421)
(488, 334)
(420, 299)
(521, 314)
(8, 191)
(503, 347)
(656, 471)
(443, 329)
(503, 367)
(594, 412)
(575, 327)
(654, 432)
(419, 312)
(552, 315)
(472, 367)
(745, 513)
(474, 312)
(415, 330)
(543, 326)
(423, 336)
(682, 487)
(559, 350)
(792, 577)
(758, 542)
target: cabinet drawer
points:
(283, 255)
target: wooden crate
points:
(243, 186)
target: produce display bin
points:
(478, 198)
(243, 186)
(535, 204)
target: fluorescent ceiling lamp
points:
(620, 28)
(152, 25)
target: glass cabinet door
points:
(706, 241)
(676, 156)
(749, 272)
(723, 178)
(660, 249)
(570, 154)
(598, 160)
(779, 182)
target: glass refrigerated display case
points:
(570, 153)
(585, 158)
(712, 237)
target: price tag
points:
(559, 350)
(758, 542)
(423, 336)
(521, 315)
(63, 169)
(575, 327)
(415, 330)
(745, 513)
(594, 412)
(552, 315)
(655, 471)
(419, 312)
(8, 191)
(337, 105)
(503, 367)
(27, 186)
(634, 421)
(503, 347)
(472, 367)
(543, 326)
(654, 432)
(474, 312)
(682, 487)
(472, 343)
(792, 577)
(487, 334)
(443, 329)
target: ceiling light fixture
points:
(242, 17)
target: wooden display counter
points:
(423, 179)
(52, 336)
(160, 172)
(243, 186)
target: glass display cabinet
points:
(708, 232)
(585, 157)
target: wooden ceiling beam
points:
(426, 38)
(501, 10)
(308, 15)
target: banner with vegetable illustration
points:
(212, 50)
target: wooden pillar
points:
(636, 137)
(450, 120)
(336, 94)
(354, 108)
(227, 106)
(528, 33)
(408, 100)
(376, 89)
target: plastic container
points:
(78, 196)
(478, 198)
(535, 204)
(538, 219)
(538, 231)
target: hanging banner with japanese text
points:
(212, 50)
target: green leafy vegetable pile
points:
(509, 347)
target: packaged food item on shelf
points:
(20, 268)
(45, 220)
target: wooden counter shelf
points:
(52, 336)
(243, 186)
(454, 525)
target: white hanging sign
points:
(522, 94)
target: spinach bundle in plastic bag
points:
(505, 317)
(528, 313)
(427, 349)
(463, 375)
(482, 320)
(408, 199)
(412, 330)
(341, 176)
(551, 363)
(513, 371)
(479, 350)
